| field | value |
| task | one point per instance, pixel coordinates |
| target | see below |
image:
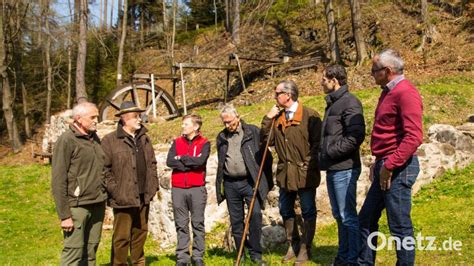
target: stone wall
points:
(448, 148)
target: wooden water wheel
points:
(141, 94)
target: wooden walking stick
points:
(254, 197)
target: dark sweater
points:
(398, 129)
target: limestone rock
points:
(272, 236)
(449, 134)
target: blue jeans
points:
(286, 203)
(397, 201)
(342, 187)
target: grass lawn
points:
(31, 236)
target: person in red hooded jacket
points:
(188, 157)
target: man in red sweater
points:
(396, 135)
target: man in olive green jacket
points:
(295, 135)
(77, 186)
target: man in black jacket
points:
(239, 153)
(343, 131)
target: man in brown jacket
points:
(131, 181)
(296, 135)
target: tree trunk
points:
(105, 15)
(119, 13)
(332, 31)
(7, 99)
(112, 13)
(227, 17)
(357, 31)
(17, 50)
(236, 23)
(46, 49)
(122, 44)
(215, 14)
(69, 75)
(165, 27)
(429, 31)
(142, 28)
(101, 12)
(173, 35)
(81, 92)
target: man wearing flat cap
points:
(131, 181)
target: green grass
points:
(447, 100)
(31, 235)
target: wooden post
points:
(173, 72)
(153, 100)
(240, 71)
(183, 89)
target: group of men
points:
(122, 171)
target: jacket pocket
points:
(302, 174)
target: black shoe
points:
(199, 263)
(339, 262)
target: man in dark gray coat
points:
(343, 132)
(239, 154)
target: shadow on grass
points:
(148, 260)
(320, 254)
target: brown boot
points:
(309, 228)
(292, 238)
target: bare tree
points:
(17, 48)
(236, 23)
(105, 14)
(227, 17)
(165, 27)
(101, 12)
(173, 35)
(429, 30)
(332, 31)
(122, 44)
(111, 13)
(7, 97)
(357, 31)
(47, 54)
(81, 92)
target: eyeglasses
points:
(278, 93)
(373, 71)
(230, 121)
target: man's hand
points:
(67, 225)
(273, 112)
(385, 178)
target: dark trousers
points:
(397, 201)
(130, 232)
(189, 201)
(286, 203)
(236, 193)
(80, 245)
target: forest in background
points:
(47, 62)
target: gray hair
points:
(81, 109)
(391, 58)
(289, 86)
(229, 109)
